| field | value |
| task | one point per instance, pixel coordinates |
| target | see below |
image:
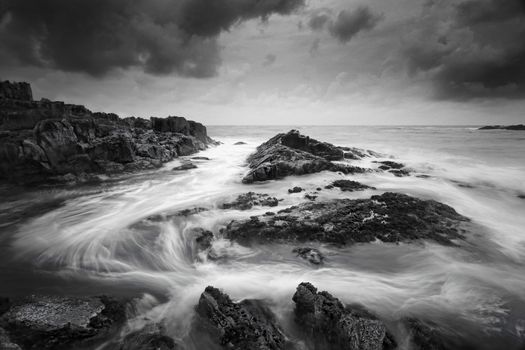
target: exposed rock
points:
(204, 239)
(296, 189)
(151, 337)
(503, 127)
(390, 217)
(395, 168)
(200, 158)
(425, 336)
(311, 254)
(239, 143)
(42, 141)
(248, 324)
(52, 322)
(349, 185)
(185, 166)
(331, 325)
(294, 154)
(248, 200)
(310, 197)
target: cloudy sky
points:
(274, 61)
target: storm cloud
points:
(98, 36)
(346, 24)
(470, 49)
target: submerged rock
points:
(185, 166)
(349, 186)
(294, 154)
(390, 217)
(311, 254)
(248, 200)
(151, 337)
(248, 324)
(203, 238)
(331, 325)
(45, 141)
(239, 143)
(53, 322)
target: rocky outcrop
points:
(295, 154)
(248, 324)
(248, 200)
(390, 217)
(349, 186)
(331, 325)
(45, 140)
(503, 127)
(53, 322)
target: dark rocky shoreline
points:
(49, 141)
(519, 127)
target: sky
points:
(290, 62)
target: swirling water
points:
(94, 239)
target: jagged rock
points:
(296, 189)
(331, 325)
(185, 166)
(248, 324)
(151, 337)
(311, 254)
(390, 217)
(294, 154)
(53, 322)
(248, 200)
(349, 186)
(43, 141)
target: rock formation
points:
(296, 154)
(45, 140)
(248, 200)
(349, 186)
(330, 325)
(390, 217)
(503, 127)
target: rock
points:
(6, 343)
(15, 91)
(248, 324)
(204, 239)
(248, 200)
(349, 185)
(239, 143)
(503, 127)
(425, 336)
(151, 337)
(53, 322)
(200, 158)
(185, 166)
(310, 197)
(296, 189)
(42, 141)
(331, 325)
(311, 254)
(397, 169)
(294, 154)
(390, 217)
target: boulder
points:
(295, 189)
(185, 166)
(331, 325)
(294, 154)
(248, 324)
(313, 255)
(390, 217)
(349, 186)
(54, 322)
(248, 200)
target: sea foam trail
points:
(103, 236)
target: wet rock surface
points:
(398, 169)
(43, 141)
(151, 337)
(390, 217)
(312, 255)
(248, 324)
(295, 189)
(349, 186)
(331, 325)
(185, 166)
(294, 154)
(248, 200)
(53, 322)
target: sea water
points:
(97, 238)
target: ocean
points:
(93, 238)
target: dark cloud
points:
(470, 48)
(269, 60)
(349, 23)
(97, 36)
